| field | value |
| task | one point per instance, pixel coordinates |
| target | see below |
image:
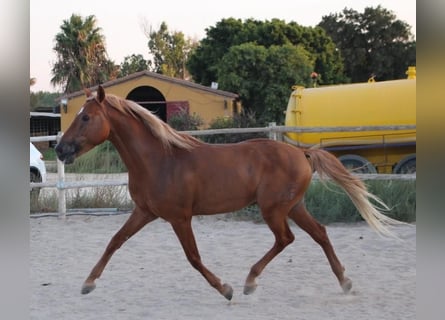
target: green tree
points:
(374, 42)
(263, 77)
(203, 63)
(132, 64)
(170, 51)
(261, 60)
(32, 97)
(43, 99)
(82, 60)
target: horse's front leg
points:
(184, 232)
(135, 222)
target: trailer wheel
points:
(406, 165)
(357, 164)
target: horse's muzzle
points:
(66, 152)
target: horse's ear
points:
(87, 92)
(100, 94)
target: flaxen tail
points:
(328, 166)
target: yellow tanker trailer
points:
(386, 103)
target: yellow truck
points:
(385, 103)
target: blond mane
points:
(168, 136)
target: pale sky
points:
(122, 21)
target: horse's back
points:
(262, 157)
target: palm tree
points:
(82, 60)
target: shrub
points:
(183, 121)
(329, 204)
(243, 120)
(104, 158)
(100, 197)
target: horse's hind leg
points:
(184, 232)
(305, 221)
(283, 237)
(135, 222)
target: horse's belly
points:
(222, 200)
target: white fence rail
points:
(274, 132)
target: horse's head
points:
(89, 128)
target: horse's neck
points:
(134, 142)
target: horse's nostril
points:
(64, 149)
(59, 149)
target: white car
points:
(37, 168)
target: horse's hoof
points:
(249, 288)
(227, 291)
(346, 285)
(88, 287)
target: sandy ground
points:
(150, 278)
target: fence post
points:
(61, 183)
(272, 132)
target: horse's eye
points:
(85, 117)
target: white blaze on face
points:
(80, 111)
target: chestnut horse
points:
(174, 176)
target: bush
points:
(49, 154)
(99, 197)
(183, 121)
(329, 204)
(399, 195)
(333, 205)
(243, 120)
(104, 158)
